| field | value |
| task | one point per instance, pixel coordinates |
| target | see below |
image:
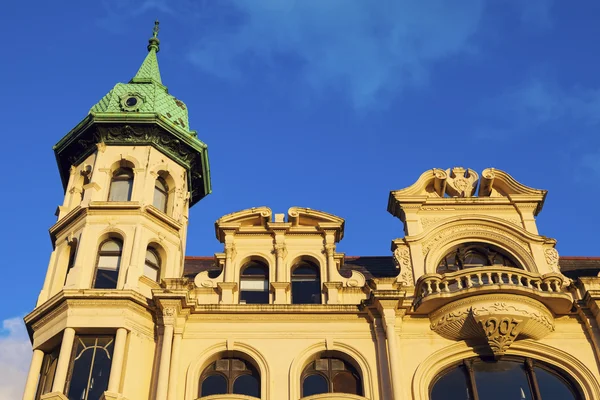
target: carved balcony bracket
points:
(496, 320)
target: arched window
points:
(152, 264)
(121, 185)
(254, 284)
(330, 375)
(107, 267)
(306, 284)
(509, 378)
(230, 376)
(161, 194)
(475, 255)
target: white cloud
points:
(15, 356)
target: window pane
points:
(552, 386)
(151, 256)
(151, 272)
(110, 263)
(213, 384)
(306, 292)
(346, 382)
(314, 384)
(111, 245)
(255, 269)
(452, 386)
(248, 385)
(100, 369)
(254, 297)
(106, 279)
(160, 200)
(120, 190)
(501, 380)
(254, 284)
(305, 269)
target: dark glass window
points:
(475, 255)
(90, 367)
(152, 265)
(161, 194)
(121, 185)
(306, 284)
(72, 255)
(107, 268)
(230, 376)
(330, 375)
(510, 378)
(254, 284)
(47, 372)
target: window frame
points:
(164, 192)
(529, 365)
(256, 278)
(330, 374)
(148, 263)
(117, 176)
(231, 376)
(74, 357)
(317, 275)
(110, 253)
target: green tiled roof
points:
(150, 94)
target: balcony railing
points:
(488, 279)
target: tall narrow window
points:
(254, 284)
(161, 194)
(90, 367)
(107, 268)
(47, 372)
(330, 375)
(121, 185)
(230, 376)
(152, 265)
(72, 254)
(306, 284)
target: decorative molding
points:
(404, 264)
(552, 259)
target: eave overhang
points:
(139, 129)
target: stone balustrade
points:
(464, 282)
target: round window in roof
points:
(131, 102)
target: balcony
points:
(435, 290)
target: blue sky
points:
(327, 104)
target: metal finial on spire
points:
(155, 30)
(153, 43)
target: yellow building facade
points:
(472, 303)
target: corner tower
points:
(131, 169)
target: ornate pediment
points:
(300, 217)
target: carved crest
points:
(461, 182)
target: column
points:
(64, 357)
(165, 358)
(390, 330)
(34, 373)
(116, 368)
(172, 394)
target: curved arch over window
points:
(121, 185)
(107, 266)
(161, 194)
(474, 255)
(152, 264)
(230, 376)
(509, 378)
(254, 283)
(330, 375)
(306, 284)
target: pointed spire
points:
(149, 71)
